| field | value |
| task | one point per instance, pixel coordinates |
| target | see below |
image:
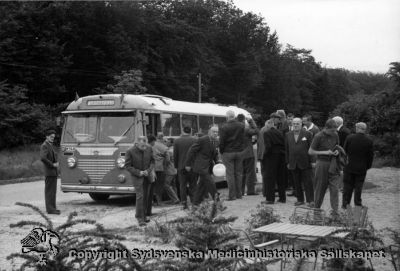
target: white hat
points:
(219, 170)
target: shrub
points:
(381, 112)
(71, 237)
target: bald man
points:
(297, 144)
(201, 157)
(359, 149)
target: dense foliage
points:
(51, 50)
(381, 112)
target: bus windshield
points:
(112, 128)
(116, 128)
(80, 128)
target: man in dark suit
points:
(186, 179)
(342, 131)
(49, 158)
(139, 161)
(274, 163)
(359, 149)
(201, 157)
(298, 142)
(231, 146)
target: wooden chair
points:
(307, 216)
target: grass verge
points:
(20, 162)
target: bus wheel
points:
(99, 196)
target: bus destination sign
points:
(100, 102)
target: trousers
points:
(187, 185)
(234, 171)
(302, 177)
(50, 190)
(204, 186)
(144, 198)
(323, 180)
(352, 182)
(249, 177)
(274, 165)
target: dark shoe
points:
(298, 203)
(267, 202)
(146, 220)
(291, 194)
(252, 194)
(54, 212)
(230, 199)
(282, 200)
(311, 204)
(142, 224)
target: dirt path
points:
(383, 203)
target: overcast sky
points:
(359, 35)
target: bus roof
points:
(119, 102)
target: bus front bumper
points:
(98, 189)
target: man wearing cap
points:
(49, 158)
(201, 157)
(359, 150)
(140, 163)
(274, 163)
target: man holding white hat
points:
(201, 157)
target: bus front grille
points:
(96, 169)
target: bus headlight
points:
(121, 162)
(71, 162)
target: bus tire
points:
(99, 196)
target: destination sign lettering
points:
(100, 102)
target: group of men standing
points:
(315, 160)
(289, 149)
(154, 165)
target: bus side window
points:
(170, 124)
(191, 121)
(153, 123)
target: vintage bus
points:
(98, 130)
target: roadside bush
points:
(21, 123)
